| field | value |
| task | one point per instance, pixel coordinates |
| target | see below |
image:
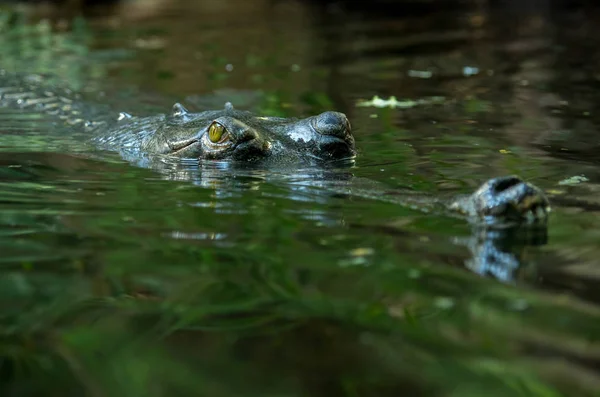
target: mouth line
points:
(177, 147)
(336, 144)
(533, 211)
(340, 160)
(348, 140)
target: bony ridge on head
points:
(178, 110)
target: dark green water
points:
(205, 280)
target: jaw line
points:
(349, 160)
(181, 146)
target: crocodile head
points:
(505, 200)
(241, 135)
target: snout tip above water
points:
(337, 141)
(506, 200)
(512, 198)
(333, 124)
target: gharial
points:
(241, 136)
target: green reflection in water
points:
(124, 281)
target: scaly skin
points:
(504, 199)
(247, 137)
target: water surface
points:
(211, 279)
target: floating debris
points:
(470, 71)
(444, 302)
(363, 251)
(574, 180)
(358, 257)
(392, 102)
(421, 74)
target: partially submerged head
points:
(505, 200)
(244, 136)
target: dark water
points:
(206, 279)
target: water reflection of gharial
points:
(497, 244)
(500, 253)
(229, 179)
(503, 201)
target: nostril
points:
(502, 184)
(332, 123)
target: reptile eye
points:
(217, 133)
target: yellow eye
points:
(217, 133)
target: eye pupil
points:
(215, 132)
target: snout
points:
(506, 199)
(335, 135)
(333, 124)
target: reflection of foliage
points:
(112, 286)
(476, 105)
(36, 48)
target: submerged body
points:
(241, 136)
